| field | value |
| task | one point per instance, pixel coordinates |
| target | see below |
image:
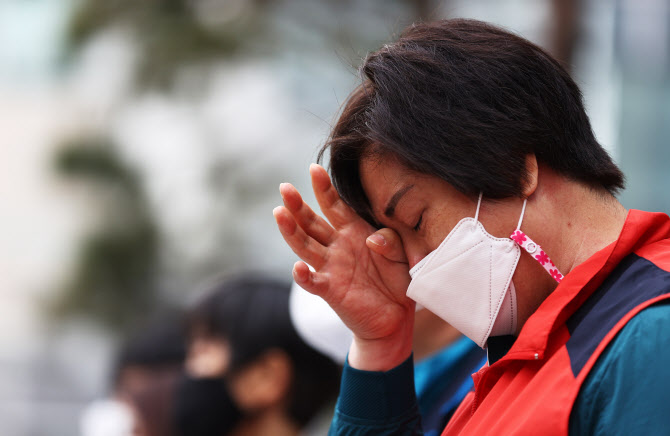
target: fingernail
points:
(377, 239)
(281, 185)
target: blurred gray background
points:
(143, 144)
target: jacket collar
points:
(639, 229)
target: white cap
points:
(106, 418)
(318, 324)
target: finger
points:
(310, 281)
(312, 224)
(307, 248)
(387, 243)
(332, 206)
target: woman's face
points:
(208, 355)
(423, 209)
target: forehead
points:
(384, 178)
(381, 178)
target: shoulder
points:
(642, 343)
(657, 253)
(634, 283)
(646, 335)
(628, 388)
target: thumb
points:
(387, 243)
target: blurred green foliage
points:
(114, 273)
(172, 34)
(168, 34)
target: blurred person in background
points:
(147, 370)
(248, 372)
(444, 359)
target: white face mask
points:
(467, 280)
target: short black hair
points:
(252, 313)
(466, 101)
(156, 342)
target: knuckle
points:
(312, 220)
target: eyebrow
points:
(393, 202)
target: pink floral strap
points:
(537, 253)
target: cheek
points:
(436, 233)
(241, 387)
(419, 245)
(434, 238)
(444, 217)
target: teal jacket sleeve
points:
(377, 403)
(628, 390)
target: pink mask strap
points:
(535, 250)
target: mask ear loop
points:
(479, 203)
(534, 249)
(523, 210)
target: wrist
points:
(380, 354)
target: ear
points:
(264, 383)
(531, 176)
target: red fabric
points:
(524, 394)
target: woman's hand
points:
(364, 277)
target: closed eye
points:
(418, 223)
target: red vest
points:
(531, 390)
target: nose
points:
(415, 255)
(415, 249)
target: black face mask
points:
(204, 407)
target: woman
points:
(468, 178)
